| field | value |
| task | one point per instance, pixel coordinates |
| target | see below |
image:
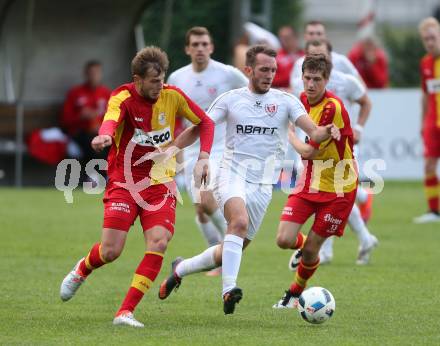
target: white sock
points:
(219, 221)
(361, 195)
(231, 259)
(202, 262)
(357, 225)
(210, 232)
(327, 248)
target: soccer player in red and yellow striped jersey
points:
(328, 185)
(140, 120)
(429, 29)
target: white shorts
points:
(256, 197)
(190, 160)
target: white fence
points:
(392, 133)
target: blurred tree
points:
(215, 15)
(286, 12)
(405, 51)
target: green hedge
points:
(405, 51)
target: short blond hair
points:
(429, 22)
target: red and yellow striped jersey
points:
(334, 169)
(430, 78)
(138, 127)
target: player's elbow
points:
(309, 154)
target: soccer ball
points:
(316, 305)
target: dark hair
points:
(291, 28)
(197, 31)
(149, 58)
(317, 63)
(313, 22)
(91, 63)
(252, 52)
(316, 43)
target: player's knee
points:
(201, 215)
(430, 167)
(158, 245)
(283, 241)
(239, 225)
(110, 253)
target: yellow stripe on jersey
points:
(114, 105)
(142, 283)
(154, 253)
(437, 95)
(118, 134)
(183, 107)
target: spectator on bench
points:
(84, 109)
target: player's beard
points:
(260, 89)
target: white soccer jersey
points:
(348, 88)
(256, 131)
(203, 88)
(340, 63)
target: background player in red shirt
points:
(140, 119)
(84, 109)
(328, 185)
(371, 62)
(429, 30)
(286, 56)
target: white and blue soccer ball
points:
(316, 305)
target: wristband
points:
(358, 128)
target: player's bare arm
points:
(318, 134)
(307, 151)
(364, 112)
(101, 141)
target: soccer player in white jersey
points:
(315, 31)
(351, 91)
(203, 80)
(257, 120)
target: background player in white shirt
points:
(203, 80)
(351, 91)
(315, 31)
(257, 120)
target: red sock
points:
(144, 276)
(300, 240)
(92, 261)
(432, 192)
(303, 273)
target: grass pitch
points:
(393, 301)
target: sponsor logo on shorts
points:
(288, 211)
(122, 207)
(152, 138)
(330, 218)
(335, 223)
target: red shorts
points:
(156, 206)
(331, 215)
(431, 141)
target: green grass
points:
(393, 301)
